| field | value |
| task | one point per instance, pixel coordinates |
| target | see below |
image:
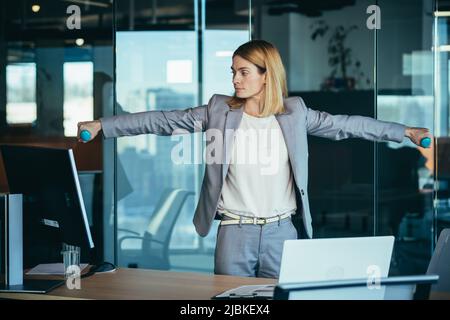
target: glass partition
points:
(440, 156)
(56, 59)
(404, 172)
(169, 56)
(354, 58)
(329, 55)
(62, 62)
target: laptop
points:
(335, 259)
(326, 259)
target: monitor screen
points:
(54, 210)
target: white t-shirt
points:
(259, 182)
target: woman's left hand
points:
(417, 134)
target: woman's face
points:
(247, 80)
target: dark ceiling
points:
(150, 14)
(312, 8)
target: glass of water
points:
(71, 259)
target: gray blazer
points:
(296, 123)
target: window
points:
(78, 95)
(21, 93)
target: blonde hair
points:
(266, 58)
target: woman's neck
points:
(252, 107)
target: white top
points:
(259, 182)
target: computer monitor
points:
(53, 201)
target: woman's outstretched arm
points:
(338, 127)
(157, 122)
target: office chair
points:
(393, 288)
(154, 251)
(440, 265)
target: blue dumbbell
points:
(85, 135)
(425, 142)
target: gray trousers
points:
(250, 250)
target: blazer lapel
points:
(232, 122)
(289, 137)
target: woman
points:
(257, 207)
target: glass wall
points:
(55, 59)
(405, 172)
(352, 57)
(329, 55)
(67, 61)
(170, 55)
(340, 61)
(440, 166)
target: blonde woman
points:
(256, 199)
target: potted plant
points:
(339, 57)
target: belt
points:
(237, 219)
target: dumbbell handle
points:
(425, 142)
(85, 135)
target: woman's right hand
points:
(94, 127)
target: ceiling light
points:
(79, 42)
